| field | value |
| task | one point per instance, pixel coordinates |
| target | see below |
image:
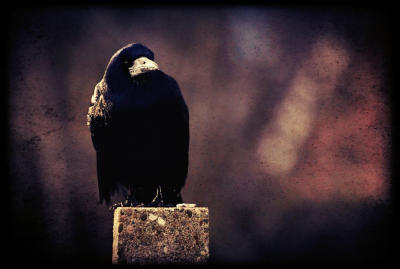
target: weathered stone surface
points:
(161, 235)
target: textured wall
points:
(289, 122)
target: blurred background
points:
(290, 124)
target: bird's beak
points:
(142, 65)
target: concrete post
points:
(161, 235)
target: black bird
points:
(139, 124)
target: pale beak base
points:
(142, 65)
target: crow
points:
(139, 124)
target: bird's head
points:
(130, 62)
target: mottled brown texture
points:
(289, 122)
(161, 238)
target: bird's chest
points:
(140, 125)
(141, 117)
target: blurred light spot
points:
(291, 126)
(294, 117)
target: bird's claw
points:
(158, 201)
(127, 203)
(115, 206)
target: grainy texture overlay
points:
(291, 135)
(146, 236)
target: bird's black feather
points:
(140, 129)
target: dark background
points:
(291, 125)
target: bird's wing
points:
(96, 117)
(96, 93)
(180, 124)
(96, 120)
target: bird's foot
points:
(127, 203)
(133, 203)
(158, 201)
(115, 206)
